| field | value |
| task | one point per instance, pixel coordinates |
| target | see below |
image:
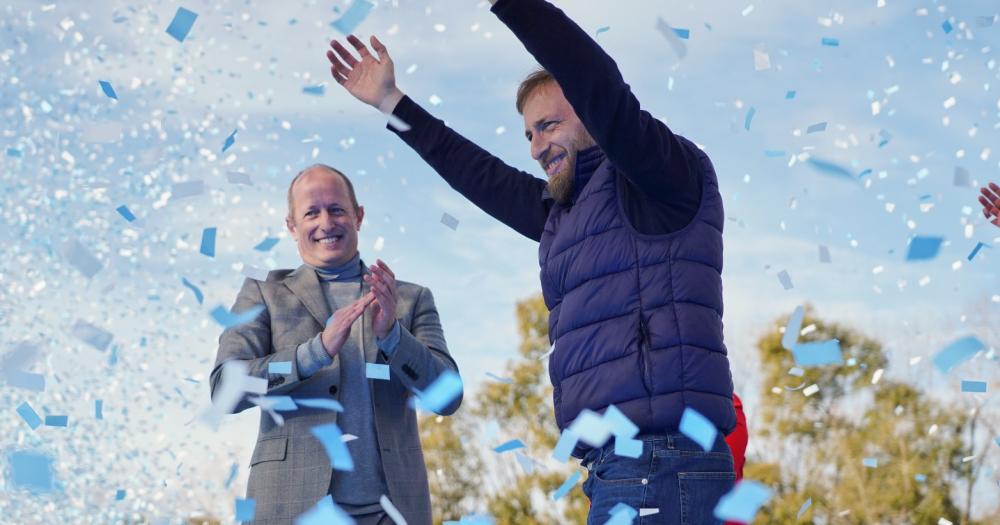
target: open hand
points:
(383, 285)
(371, 80)
(338, 328)
(990, 199)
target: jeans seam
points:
(645, 488)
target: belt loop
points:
(671, 445)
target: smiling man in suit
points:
(328, 319)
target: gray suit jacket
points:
(289, 470)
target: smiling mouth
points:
(553, 163)
(331, 239)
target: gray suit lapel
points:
(367, 328)
(304, 284)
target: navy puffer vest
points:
(636, 319)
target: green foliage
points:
(825, 437)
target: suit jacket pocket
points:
(270, 449)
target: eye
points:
(311, 213)
(548, 125)
(336, 211)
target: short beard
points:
(560, 184)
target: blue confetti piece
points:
(947, 27)
(314, 90)
(621, 425)
(279, 367)
(628, 447)
(200, 297)
(120, 494)
(180, 26)
(789, 95)
(818, 354)
(749, 118)
(208, 242)
(230, 140)
(591, 427)
(564, 447)
(13, 152)
(325, 512)
(324, 404)
(791, 335)
(245, 509)
(785, 280)
(805, 506)
(975, 251)
(504, 380)
(108, 90)
(974, 386)
(600, 30)
(957, 352)
(92, 335)
(513, 444)
(98, 409)
(233, 469)
(923, 248)
(377, 371)
(621, 514)
(870, 462)
(30, 470)
(566, 486)
(742, 503)
(228, 319)
(355, 14)
(126, 213)
(682, 33)
(279, 403)
(56, 421)
(266, 244)
(830, 168)
(831, 42)
(816, 128)
(920, 478)
(29, 415)
(441, 392)
(698, 428)
(331, 438)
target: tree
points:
(865, 449)
(522, 408)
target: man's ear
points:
(361, 216)
(291, 226)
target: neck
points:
(347, 270)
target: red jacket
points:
(737, 442)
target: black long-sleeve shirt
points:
(661, 189)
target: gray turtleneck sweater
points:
(356, 492)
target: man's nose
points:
(538, 147)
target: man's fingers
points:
(344, 53)
(379, 47)
(381, 264)
(339, 69)
(995, 188)
(339, 77)
(359, 45)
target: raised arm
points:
(509, 195)
(642, 147)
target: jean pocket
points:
(700, 492)
(620, 470)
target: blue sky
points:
(244, 66)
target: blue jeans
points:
(673, 474)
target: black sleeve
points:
(511, 196)
(640, 146)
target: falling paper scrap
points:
(513, 444)
(390, 509)
(785, 280)
(108, 89)
(180, 26)
(325, 512)
(208, 242)
(749, 118)
(330, 436)
(230, 140)
(126, 213)
(975, 251)
(92, 335)
(377, 371)
(314, 90)
(743, 501)
(440, 393)
(818, 353)
(266, 244)
(816, 128)
(923, 248)
(194, 289)
(762, 61)
(699, 428)
(29, 415)
(237, 177)
(962, 177)
(791, 335)
(30, 470)
(245, 509)
(566, 486)
(957, 352)
(227, 319)
(186, 189)
(824, 254)
(355, 14)
(805, 506)
(279, 367)
(680, 48)
(449, 221)
(974, 386)
(80, 257)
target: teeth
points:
(329, 240)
